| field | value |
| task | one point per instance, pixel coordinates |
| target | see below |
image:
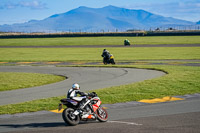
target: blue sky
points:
(18, 11)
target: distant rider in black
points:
(105, 54)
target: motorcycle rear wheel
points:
(69, 117)
(102, 114)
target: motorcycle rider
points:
(72, 94)
(126, 42)
(105, 54)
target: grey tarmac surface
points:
(180, 62)
(89, 78)
(171, 117)
(179, 123)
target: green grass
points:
(14, 80)
(32, 106)
(94, 54)
(180, 80)
(100, 41)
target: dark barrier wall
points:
(149, 33)
(32, 35)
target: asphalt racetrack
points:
(89, 78)
(178, 116)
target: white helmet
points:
(75, 86)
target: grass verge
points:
(100, 41)
(94, 54)
(14, 80)
(180, 80)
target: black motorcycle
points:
(109, 60)
(92, 110)
(127, 42)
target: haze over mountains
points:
(109, 18)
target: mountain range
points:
(85, 19)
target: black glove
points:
(93, 94)
(82, 93)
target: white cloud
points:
(185, 9)
(33, 4)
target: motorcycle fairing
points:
(78, 98)
(96, 106)
(73, 102)
(111, 56)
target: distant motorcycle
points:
(109, 60)
(92, 110)
(126, 42)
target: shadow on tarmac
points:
(35, 125)
(43, 125)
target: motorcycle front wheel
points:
(102, 114)
(105, 61)
(112, 61)
(69, 117)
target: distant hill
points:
(84, 19)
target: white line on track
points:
(128, 123)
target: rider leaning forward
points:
(72, 94)
(105, 54)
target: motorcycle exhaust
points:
(88, 117)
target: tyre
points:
(102, 114)
(69, 117)
(104, 61)
(112, 61)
